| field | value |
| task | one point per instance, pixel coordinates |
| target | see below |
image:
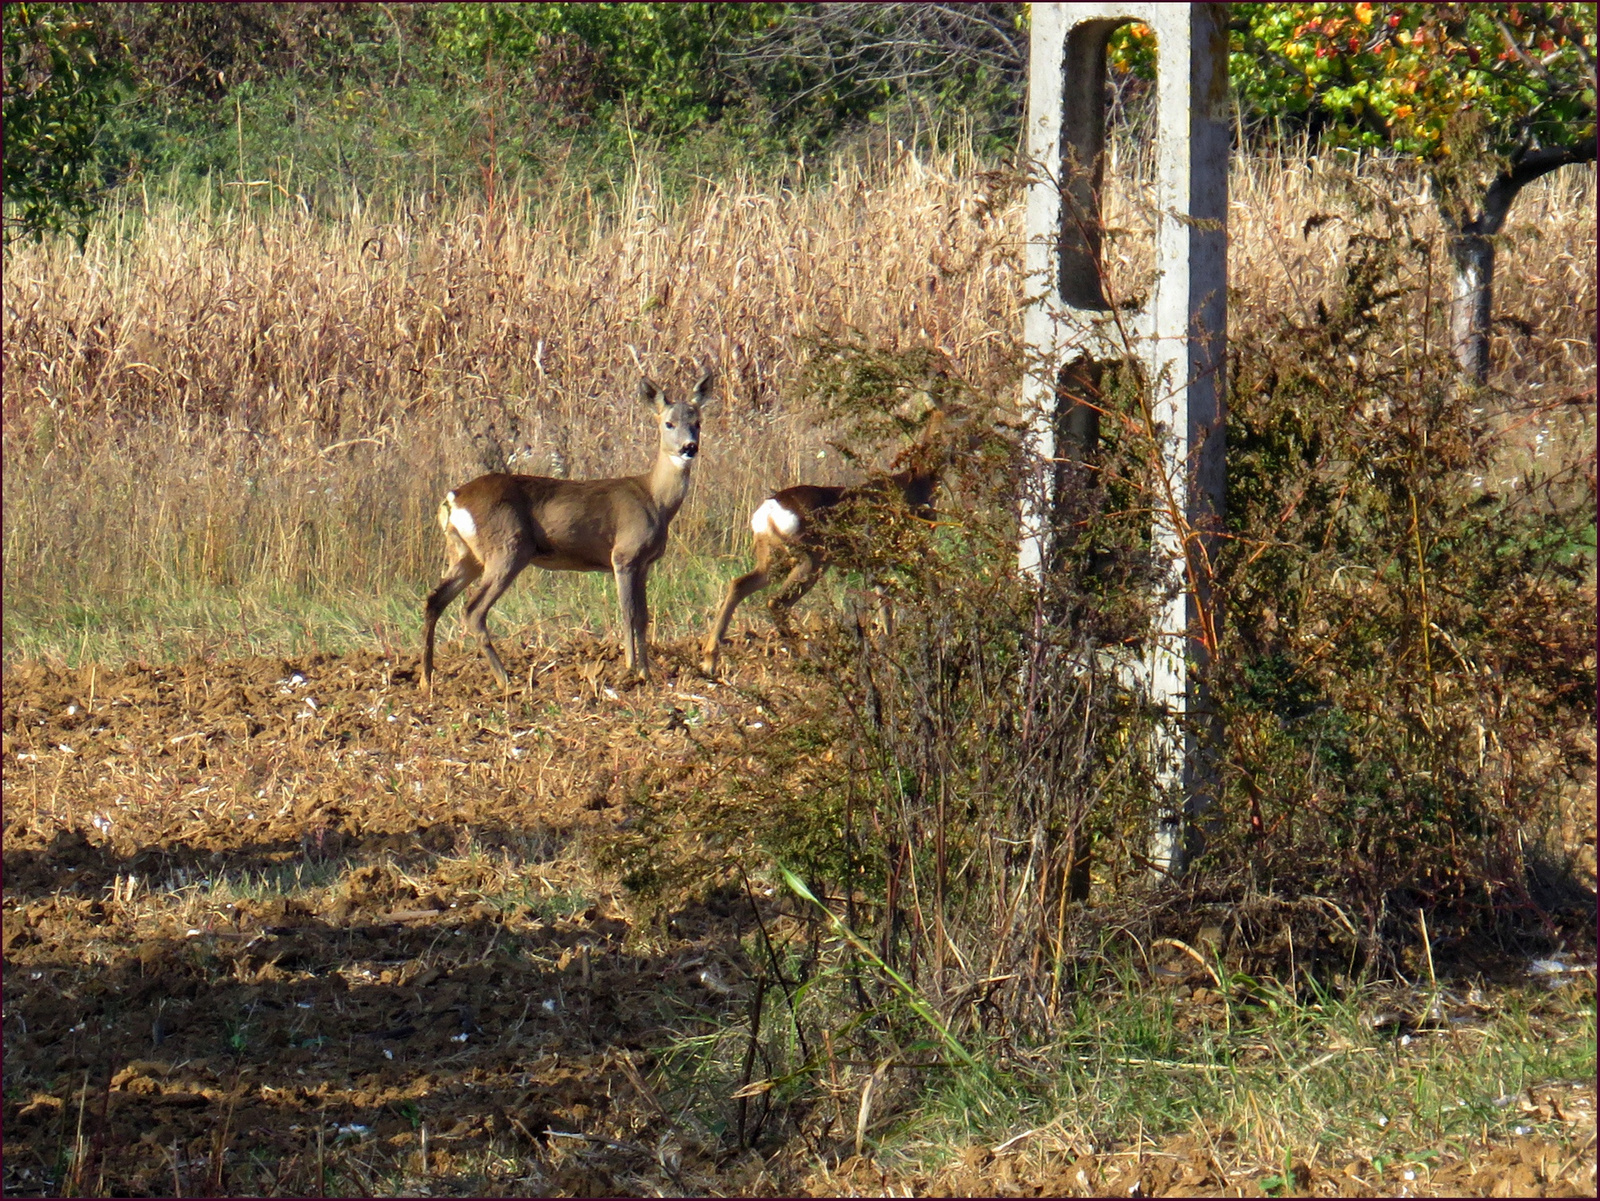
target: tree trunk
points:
(1471, 302)
(1472, 251)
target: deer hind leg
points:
(462, 571)
(747, 584)
(802, 578)
(497, 578)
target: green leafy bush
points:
(1410, 669)
(661, 61)
(62, 71)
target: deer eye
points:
(670, 426)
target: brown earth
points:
(441, 961)
(291, 927)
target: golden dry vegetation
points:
(270, 406)
(229, 428)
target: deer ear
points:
(650, 394)
(702, 390)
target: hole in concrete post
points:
(1094, 403)
(1079, 403)
(1083, 136)
(1128, 209)
(1107, 246)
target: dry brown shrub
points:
(1404, 667)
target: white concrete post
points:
(1177, 337)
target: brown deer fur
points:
(499, 524)
(789, 527)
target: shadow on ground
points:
(290, 928)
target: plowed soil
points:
(281, 914)
(292, 928)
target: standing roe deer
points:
(791, 524)
(499, 524)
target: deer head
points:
(679, 421)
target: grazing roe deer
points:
(791, 525)
(499, 524)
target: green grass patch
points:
(544, 906)
(1291, 1081)
(1270, 1078)
(159, 625)
(284, 880)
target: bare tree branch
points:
(858, 49)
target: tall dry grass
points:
(233, 423)
(258, 403)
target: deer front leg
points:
(641, 624)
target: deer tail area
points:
(455, 520)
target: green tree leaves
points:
(1485, 97)
(1432, 81)
(60, 84)
(1422, 79)
(661, 60)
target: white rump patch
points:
(460, 518)
(773, 518)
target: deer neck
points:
(668, 481)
